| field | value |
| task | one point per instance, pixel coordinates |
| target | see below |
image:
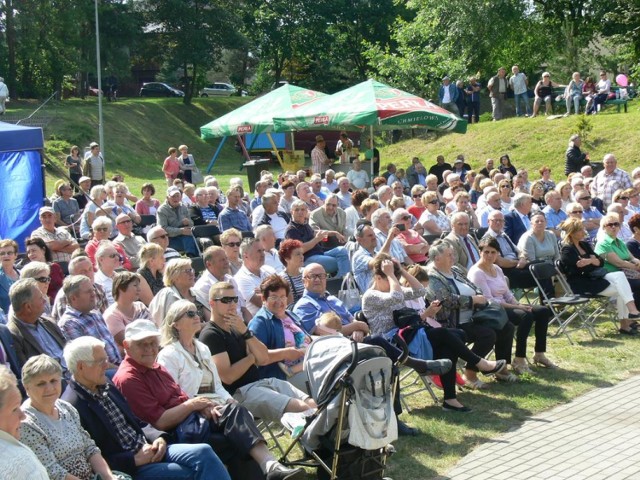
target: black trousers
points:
(448, 343)
(524, 320)
(485, 338)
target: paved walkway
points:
(596, 436)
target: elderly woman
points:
(8, 273)
(433, 220)
(147, 205)
(459, 297)
(187, 359)
(119, 204)
(18, 460)
(462, 203)
(545, 176)
(127, 307)
(108, 260)
(152, 263)
(52, 428)
(414, 245)
(387, 295)
(582, 267)
(41, 273)
(573, 93)
(418, 208)
(539, 244)
(292, 257)
(93, 209)
(616, 255)
(230, 241)
(65, 206)
(625, 234)
(102, 230)
(179, 279)
(544, 93)
(187, 163)
(38, 251)
(488, 277)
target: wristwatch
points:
(247, 335)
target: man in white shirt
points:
(519, 84)
(358, 178)
(270, 215)
(130, 243)
(251, 274)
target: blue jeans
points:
(184, 243)
(524, 97)
(184, 461)
(335, 260)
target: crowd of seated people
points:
(224, 324)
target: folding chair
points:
(271, 430)
(204, 236)
(412, 384)
(602, 305)
(430, 238)
(565, 308)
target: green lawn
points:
(139, 131)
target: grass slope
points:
(530, 142)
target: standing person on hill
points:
(575, 159)
(171, 166)
(4, 95)
(94, 165)
(448, 94)
(473, 100)
(74, 164)
(187, 163)
(519, 83)
(497, 87)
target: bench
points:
(558, 99)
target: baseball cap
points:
(140, 329)
(446, 77)
(458, 160)
(94, 144)
(47, 210)
(171, 191)
(84, 179)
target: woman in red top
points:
(171, 166)
(418, 208)
(415, 246)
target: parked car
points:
(220, 89)
(159, 89)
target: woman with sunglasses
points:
(102, 228)
(230, 240)
(579, 261)
(108, 260)
(179, 280)
(414, 245)
(38, 251)
(616, 255)
(418, 208)
(433, 220)
(41, 273)
(506, 194)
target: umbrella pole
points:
(372, 147)
(215, 155)
(275, 149)
(244, 149)
(293, 141)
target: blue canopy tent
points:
(21, 180)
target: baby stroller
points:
(349, 436)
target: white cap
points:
(140, 329)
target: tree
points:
(193, 34)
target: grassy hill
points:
(138, 132)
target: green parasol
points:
(257, 116)
(373, 104)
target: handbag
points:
(492, 315)
(597, 273)
(193, 429)
(349, 294)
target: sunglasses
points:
(417, 195)
(192, 313)
(232, 244)
(160, 236)
(433, 202)
(116, 255)
(613, 224)
(316, 276)
(505, 186)
(404, 218)
(585, 198)
(623, 198)
(43, 279)
(226, 300)
(575, 212)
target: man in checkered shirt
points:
(609, 180)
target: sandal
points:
(521, 368)
(476, 385)
(507, 377)
(542, 360)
